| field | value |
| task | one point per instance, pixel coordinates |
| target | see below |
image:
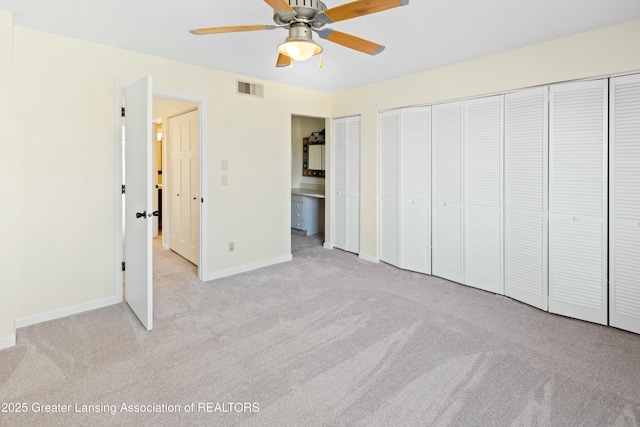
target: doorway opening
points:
(177, 192)
(309, 154)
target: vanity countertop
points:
(309, 192)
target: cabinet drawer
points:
(297, 198)
(297, 223)
(297, 207)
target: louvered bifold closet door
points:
(578, 200)
(415, 189)
(447, 238)
(340, 183)
(389, 183)
(526, 196)
(624, 203)
(483, 136)
(353, 184)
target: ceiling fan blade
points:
(283, 60)
(232, 29)
(352, 42)
(280, 5)
(358, 8)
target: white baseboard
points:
(64, 312)
(247, 267)
(369, 258)
(7, 342)
(327, 246)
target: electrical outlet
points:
(232, 246)
(223, 180)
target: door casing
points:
(118, 167)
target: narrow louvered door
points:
(624, 203)
(578, 200)
(353, 184)
(447, 238)
(389, 173)
(483, 193)
(339, 183)
(526, 196)
(415, 189)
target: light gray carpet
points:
(327, 339)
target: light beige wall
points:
(65, 234)
(608, 50)
(7, 181)
(165, 107)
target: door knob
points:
(155, 213)
(142, 214)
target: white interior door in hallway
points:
(184, 193)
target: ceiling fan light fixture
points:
(300, 50)
(299, 45)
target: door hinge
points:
(122, 188)
(122, 111)
(123, 268)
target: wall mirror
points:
(313, 155)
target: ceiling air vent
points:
(253, 89)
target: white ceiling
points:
(423, 35)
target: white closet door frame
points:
(577, 231)
(527, 196)
(447, 214)
(624, 203)
(389, 176)
(483, 193)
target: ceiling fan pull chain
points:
(291, 64)
(320, 61)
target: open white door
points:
(138, 214)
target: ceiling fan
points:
(301, 17)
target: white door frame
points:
(202, 181)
